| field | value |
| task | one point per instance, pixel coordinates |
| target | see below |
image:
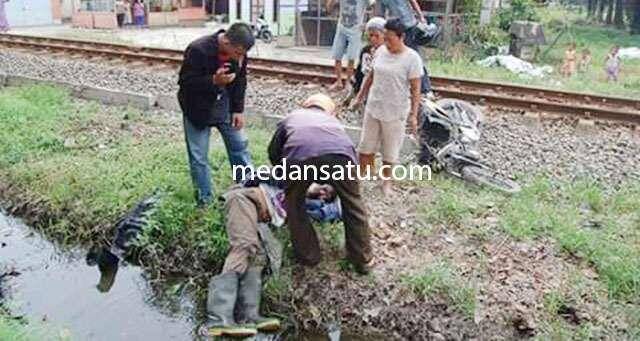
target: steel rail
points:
(506, 95)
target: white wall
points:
(29, 12)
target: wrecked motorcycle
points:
(449, 135)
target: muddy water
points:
(58, 287)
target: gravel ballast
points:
(556, 148)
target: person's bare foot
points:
(387, 188)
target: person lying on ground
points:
(248, 209)
(312, 137)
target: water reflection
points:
(97, 295)
(59, 287)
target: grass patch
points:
(588, 223)
(597, 39)
(11, 329)
(454, 202)
(277, 290)
(31, 119)
(333, 235)
(441, 279)
(87, 188)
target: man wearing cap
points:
(312, 137)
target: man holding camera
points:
(213, 80)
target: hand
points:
(264, 215)
(221, 78)
(356, 102)
(422, 19)
(412, 123)
(237, 120)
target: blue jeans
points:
(410, 41)
(139, 21)
(236, 143)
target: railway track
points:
(504, 95)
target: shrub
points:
(519, 10)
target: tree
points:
(610, 6)
(635, 16)
(600, 10)
(591, 7)
(618, 18)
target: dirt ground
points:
(514, 282)
(511, 280)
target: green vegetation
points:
(456, 205)
(519, 10)
(586, 221)
(594, 225)
(574, 216)
(12, 330)
(599, 40)
(441, 280)
(16, 330)
(90, 166)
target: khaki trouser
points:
(354, 216)
(242, 209)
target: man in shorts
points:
(348, 38)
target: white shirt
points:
(390, 95)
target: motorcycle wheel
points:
(267, 37)
(490, 178)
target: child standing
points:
(569, 66)
(612, 64)
(585, 61)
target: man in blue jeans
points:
(406, 11)
(213, 81)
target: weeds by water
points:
(48, 149)
(11, 329)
